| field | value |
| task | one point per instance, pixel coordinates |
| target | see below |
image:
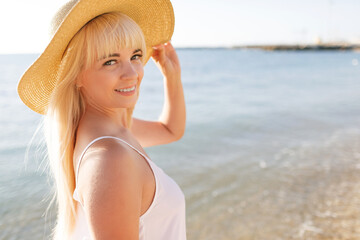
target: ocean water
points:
(271, 149)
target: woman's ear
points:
(79, 80)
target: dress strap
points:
(97, 139)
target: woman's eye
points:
(110, 62)
(136, 57)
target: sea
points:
(271, 148)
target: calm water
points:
(271, 150)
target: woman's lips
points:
(126, 91)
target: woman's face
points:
(113, 81)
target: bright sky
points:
(210, 23)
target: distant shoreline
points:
(285, 47)
(311, 47)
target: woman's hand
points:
(166, 59)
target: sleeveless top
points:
(164, 219)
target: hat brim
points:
(155, 18)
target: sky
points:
(24, 24)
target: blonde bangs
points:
(107, 34)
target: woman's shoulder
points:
(104, 155)
(107, 170)
(107, 162)
(107, 151)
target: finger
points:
(170, 50)
(159, 46)
(168, 46)
(159, 52)
(154, 55)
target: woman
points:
(87, 83)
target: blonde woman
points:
(86, 83)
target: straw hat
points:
(155, 18)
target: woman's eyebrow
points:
(111, 55)
(118, 54)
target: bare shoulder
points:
(110, 187)
(107, 157)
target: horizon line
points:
(279, 46)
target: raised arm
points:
(170, 126)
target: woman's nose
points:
(128, 71)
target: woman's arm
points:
(171, 124)
(110, 188)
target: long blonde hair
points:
(99, 37)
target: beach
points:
(271, 149)
(302, 202)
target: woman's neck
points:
(108, 119)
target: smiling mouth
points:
(130, 89)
